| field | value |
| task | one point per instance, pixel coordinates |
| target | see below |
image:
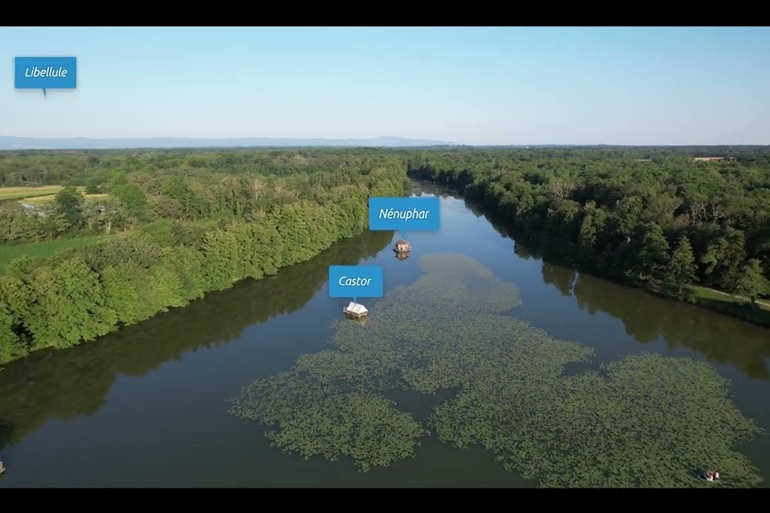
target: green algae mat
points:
(642, 421)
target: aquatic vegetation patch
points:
(314, 419)
(645, 420)
(651, 422)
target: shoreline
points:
(715, 300)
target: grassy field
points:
(37, 200)
(38, 195)
(17, 193)
(715, 295)
(43, 249)
(722, 302)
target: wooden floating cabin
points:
(355, 310)
(402, 246)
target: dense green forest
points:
(655, 217)
(172, 230)
(110, 238)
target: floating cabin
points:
(402, 246)
(355, 310)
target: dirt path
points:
(759, 301)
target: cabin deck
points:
(355, 310)
(402, 246)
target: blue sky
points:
(466, 85)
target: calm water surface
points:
(146, 406)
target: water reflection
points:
(66, 384)
(719, 338)
(648, 318)
(561, 278)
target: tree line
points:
(96, 168)
(174, 237)
(149, 187)
(664, 218)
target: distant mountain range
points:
(83, 143)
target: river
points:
(146, 406)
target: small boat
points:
(355, 310)
(711, 475)
(402, 246)
(2, 467)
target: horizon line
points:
(437, 142)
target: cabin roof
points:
(401, 241)
(356, 308)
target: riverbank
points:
(715, 300)
(722, 302)
(83, 293)
(58, 332)
(704, 297)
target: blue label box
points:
(404, 214)
(354, 281)
(46, 73)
